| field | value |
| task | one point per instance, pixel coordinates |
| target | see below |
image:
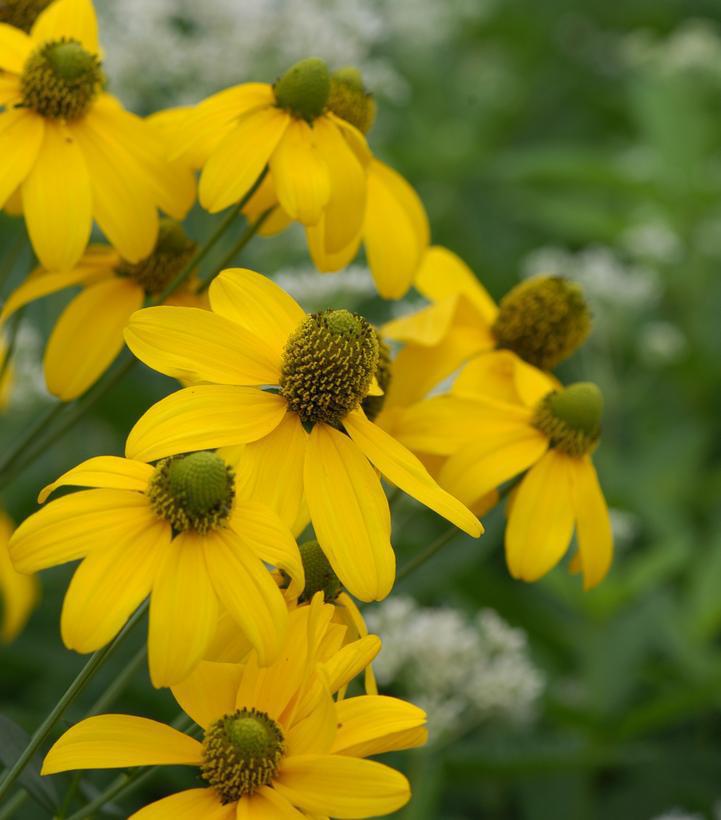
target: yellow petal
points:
(350, 661)
(267, 804)
(248, 592)
(15, 48)
(396, 230)
(183, 610)
(593, 524)
(373, 724)
(314, 733)
(208, 692)
(57, 201)
(109, 585)
(42, 284)
(264, 199)
(192, 343)
(120, 741)
(502, 375)
(404, 470)
(426, 327)
(190, 804)
(300, 175)
(323, 259)
(74, 19)
(350, 513)
(111, 472)
(10, 95)
(18, 592)
(482, 465)
(21, 135)
(202, 418)
(237, 161)
(258, 305)
(443, 274)
(344, 787)
(540, 523)
(74, 525)
(89, 335)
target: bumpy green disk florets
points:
(21, 13)
(571, 418)
(304, 88)
(319, 575)
(372, 405)
(241, 753)
(349, 99)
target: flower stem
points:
(420, 559)
(12, 343)
(12, 805)
(71, 693)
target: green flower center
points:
(571, 418)
(241, 753)
(328, 366)
(21, 13)
(349, 100)
(372, 405)
(173, 250)
(61, 79)
(304, 88)
(543, 320)
(319, 575)
(193, 492)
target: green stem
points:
(12, 343)
(118, 685)
(437, 545)
(76, 687)
(13, 805)
(69, 795)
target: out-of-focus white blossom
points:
(679, 814)
(694, 45)
(626, 525)
(661, 343)
(654, 241)
(462, 672)
(28, 382)
(318, 292)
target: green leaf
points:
(13, 740)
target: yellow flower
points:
(306, 436)
(503, 418)
(19, 592)
(542, 320)
(275, 743)
(89, 333)
(71, 150)
(177, 532)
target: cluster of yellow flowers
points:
(285, 420)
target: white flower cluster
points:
(463, 673)
(350, 287)
(695, 45)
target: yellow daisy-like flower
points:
(19, 593)
(71, 150)
(307, 433)
(177, 532)
(275, 743)
(89, 333)
(542, 320)
(504, 418)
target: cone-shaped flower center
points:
(303, 89)
(173, 250)
(21, 13)
(349, 99)
(319, 575)
(543, 320)
(193, 492)
(241, 753)
(372, 405)
(571, 418)
(328, 365)
(61, 79)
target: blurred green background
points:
(574, 137)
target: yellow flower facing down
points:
(18, 592)
(177, 532)
(70, 149)
(495, 426)
(89, 333)
(275, 743)
(307, 433)
(542, 320)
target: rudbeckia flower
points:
(71, 150)
(533, 428)
(18, 592)
(177, 532)
(542, 320)
(307, 433)
(275, 744)
(89, 333)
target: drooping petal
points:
(426, 327)
(15, 48)
(77, 524)
(350, 513)
(257, 304)
(324, 260)
(593, 524)
(120, 741)
(190, 804)
(344, 787)
(404, 470)
(540, 521)
(267, 804)
(21, 135)
(237, 161)
(42, 284)
(502, 375)
(300, 175)
(350, 661)
(18, 592)
(109, 585)
(208, 692)
(314, 733)
(373, 724)
(110, 472)
(74, 19)
(183, 610)
(89, 335)
(192, 343)
(202, 418)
